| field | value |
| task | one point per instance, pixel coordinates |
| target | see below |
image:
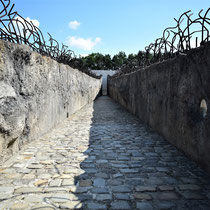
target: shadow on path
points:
(102, 157)
(127, 166)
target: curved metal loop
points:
(16, 29)
(182, 37)
(187, 33)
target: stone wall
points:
(36, 93)
(167, 96)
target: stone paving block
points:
(102, 175)
(121, 189)
(125, 166)
(85, 183)
(169, 180)
(98, 182)
(162, 169)
(145, 189)
(19, 165)
(59, 197)
(123, 158)
(5, 195)
(129, 171)
(47, 162)
(119, 165)
(193, 196)
(55, 183)
(22, 182)
(44, 176)
(82, 189)
(85, 197)
(187, 180)
(91, 171)
(114, 182)
(94, 205)
(24, 190)
(101, 161)
(13, 176)
(189, 187)
(144, 206)
(42, 206)
(117, 175)
(41, 182)
(29, 176)
(65, 176)
(73, 197)
(120, 205)
(55, 189)
(103, 197)
(167, 196)
(68, 182)
(142, 196)
(165, 205)
(19, 205)
(24, 171)
(35, 166)
(31, 198)
(71, 205)
(122, 196)
(99, 190)
(154, 181)
(6, 189)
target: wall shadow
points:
(103, 157)
(128, 166)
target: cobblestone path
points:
(102, 157)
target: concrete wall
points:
(167, 96)
(36, 93)
(104, 74)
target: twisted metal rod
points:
(15, 28)
(175, 40)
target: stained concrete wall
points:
(36, 93)
(167, 96)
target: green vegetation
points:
(98, 61)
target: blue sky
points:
(106, 26)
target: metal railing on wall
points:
(187, 33)
(15, 28)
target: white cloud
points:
(83, 55)
(34, 21)
(85, 44)
(74, 24)
(20, 25)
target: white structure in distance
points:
(104, 74)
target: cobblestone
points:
(145, 189)
(98, 182)
(103, 197)
(189, 187)
(102, 157)
(120, 205)
(94, 205)
(121, 189)
(144, 206)
(142, 196)
(168, 196)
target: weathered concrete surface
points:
(36, 93)
(102, 157)
(167, 97)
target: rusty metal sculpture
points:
(175, 40)
(179, 39)
(16, 29)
